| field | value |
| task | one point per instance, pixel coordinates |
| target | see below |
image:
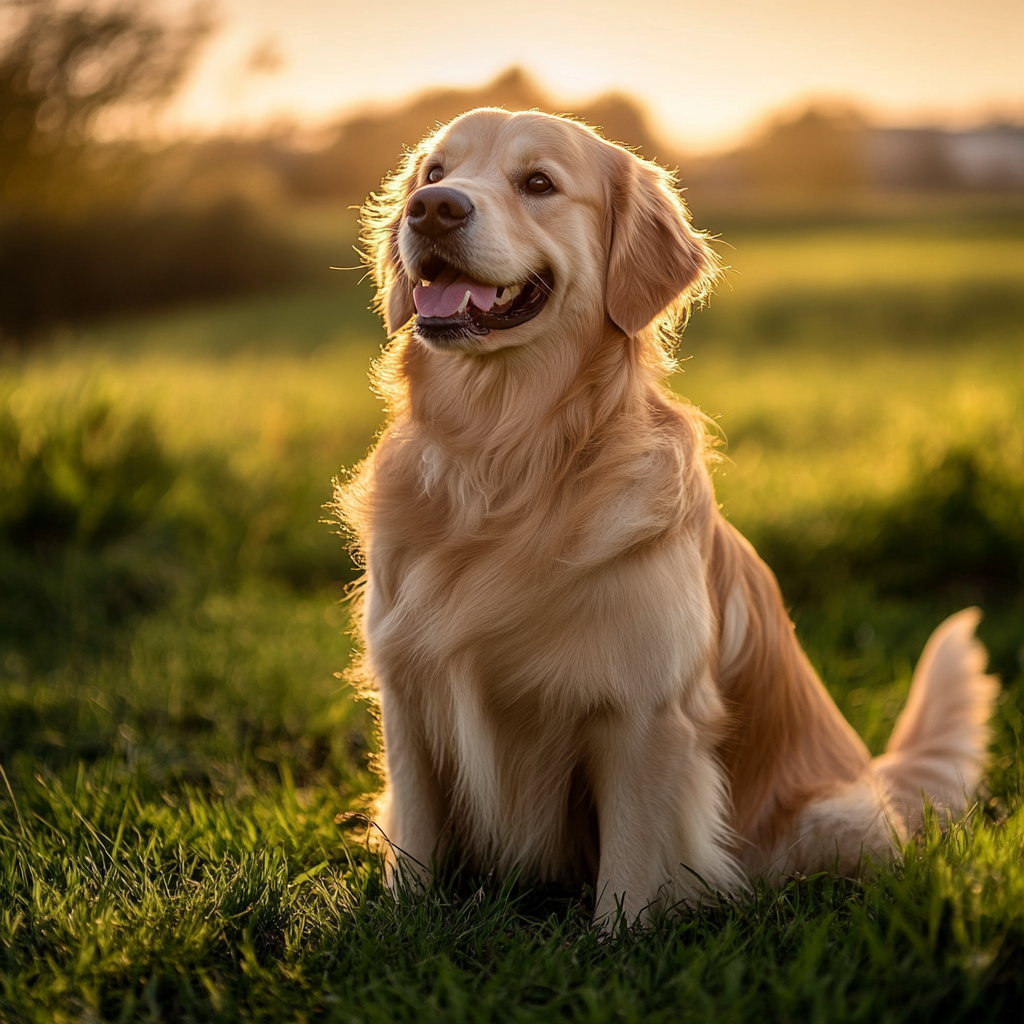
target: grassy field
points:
(184, 768)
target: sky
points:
(707, 71)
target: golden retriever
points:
(584, 672)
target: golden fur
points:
(585, 673)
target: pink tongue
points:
(443, 296)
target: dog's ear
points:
(656, 261)
(381, 219)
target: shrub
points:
(849, 317)
(957, 529)
(54, 272)
(99, 524)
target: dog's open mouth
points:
(450, 304)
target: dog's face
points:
(503, 225)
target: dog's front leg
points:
(413, 815)
(662, 814)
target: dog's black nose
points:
(435, 210)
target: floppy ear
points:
(656, 261)
(381, 219)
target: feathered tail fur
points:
(938, 745)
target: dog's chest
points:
(539, 612)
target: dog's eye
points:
(434, 175)
(538, 183)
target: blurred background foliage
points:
(61, 69)
(99, 217)
(84, 232)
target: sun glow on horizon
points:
(705, 74)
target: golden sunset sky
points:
(708, 71)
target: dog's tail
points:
(939, 742)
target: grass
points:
(184, 769)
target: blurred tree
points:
(362, 149)
(359, 151)
(821, 150)
(78, 240)
(63, 66)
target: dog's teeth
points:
(508, 293)
(465, 302)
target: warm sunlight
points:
(478, 565)
(708, 71)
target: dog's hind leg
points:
(662, 814)
(844, 830)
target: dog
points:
(585, 673)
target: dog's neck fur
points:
(520, 411)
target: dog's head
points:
(499, 225)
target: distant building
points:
(990, 158)
(829, 150)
